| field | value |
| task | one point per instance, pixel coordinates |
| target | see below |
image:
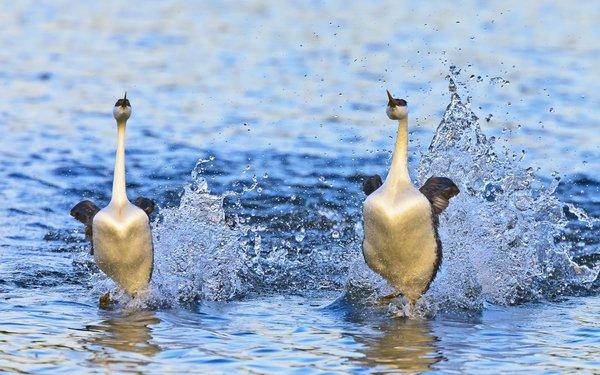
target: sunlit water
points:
(254, 125)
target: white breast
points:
(400, 241)
(123, 246)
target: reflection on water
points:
(392, 343)
(283, 334)
(405, 345)
(129, 332)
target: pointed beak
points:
(123, 104)
(391, 101)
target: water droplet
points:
(452, 86)
(299, 237)
(499, 81)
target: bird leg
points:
(386, 299)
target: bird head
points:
(397, 108)
(122, 109)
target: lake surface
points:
(253, 128)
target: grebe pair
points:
(401, 241)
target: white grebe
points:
(120, 232)
(401, 241)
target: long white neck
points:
(119, 195)
(398, 173)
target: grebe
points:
(120, 232)
(401, 241)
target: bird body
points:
(120, 233)
(123, 246)
(400, 241)
(400, 222)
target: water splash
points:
(500, 233)
(197, 254)
(207, 248)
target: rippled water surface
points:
(254, 125)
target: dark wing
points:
(84, 212)
(145, 204)
(148, 206)
(371, 184)
(438, 191)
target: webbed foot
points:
(105, 302)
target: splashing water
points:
(499, 234)
(197, 254)
(203, 251)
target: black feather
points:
(145, 204)
(438, 190)
(84, 212)
(371, 184)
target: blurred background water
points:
(277, 110)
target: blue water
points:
(253, 126)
